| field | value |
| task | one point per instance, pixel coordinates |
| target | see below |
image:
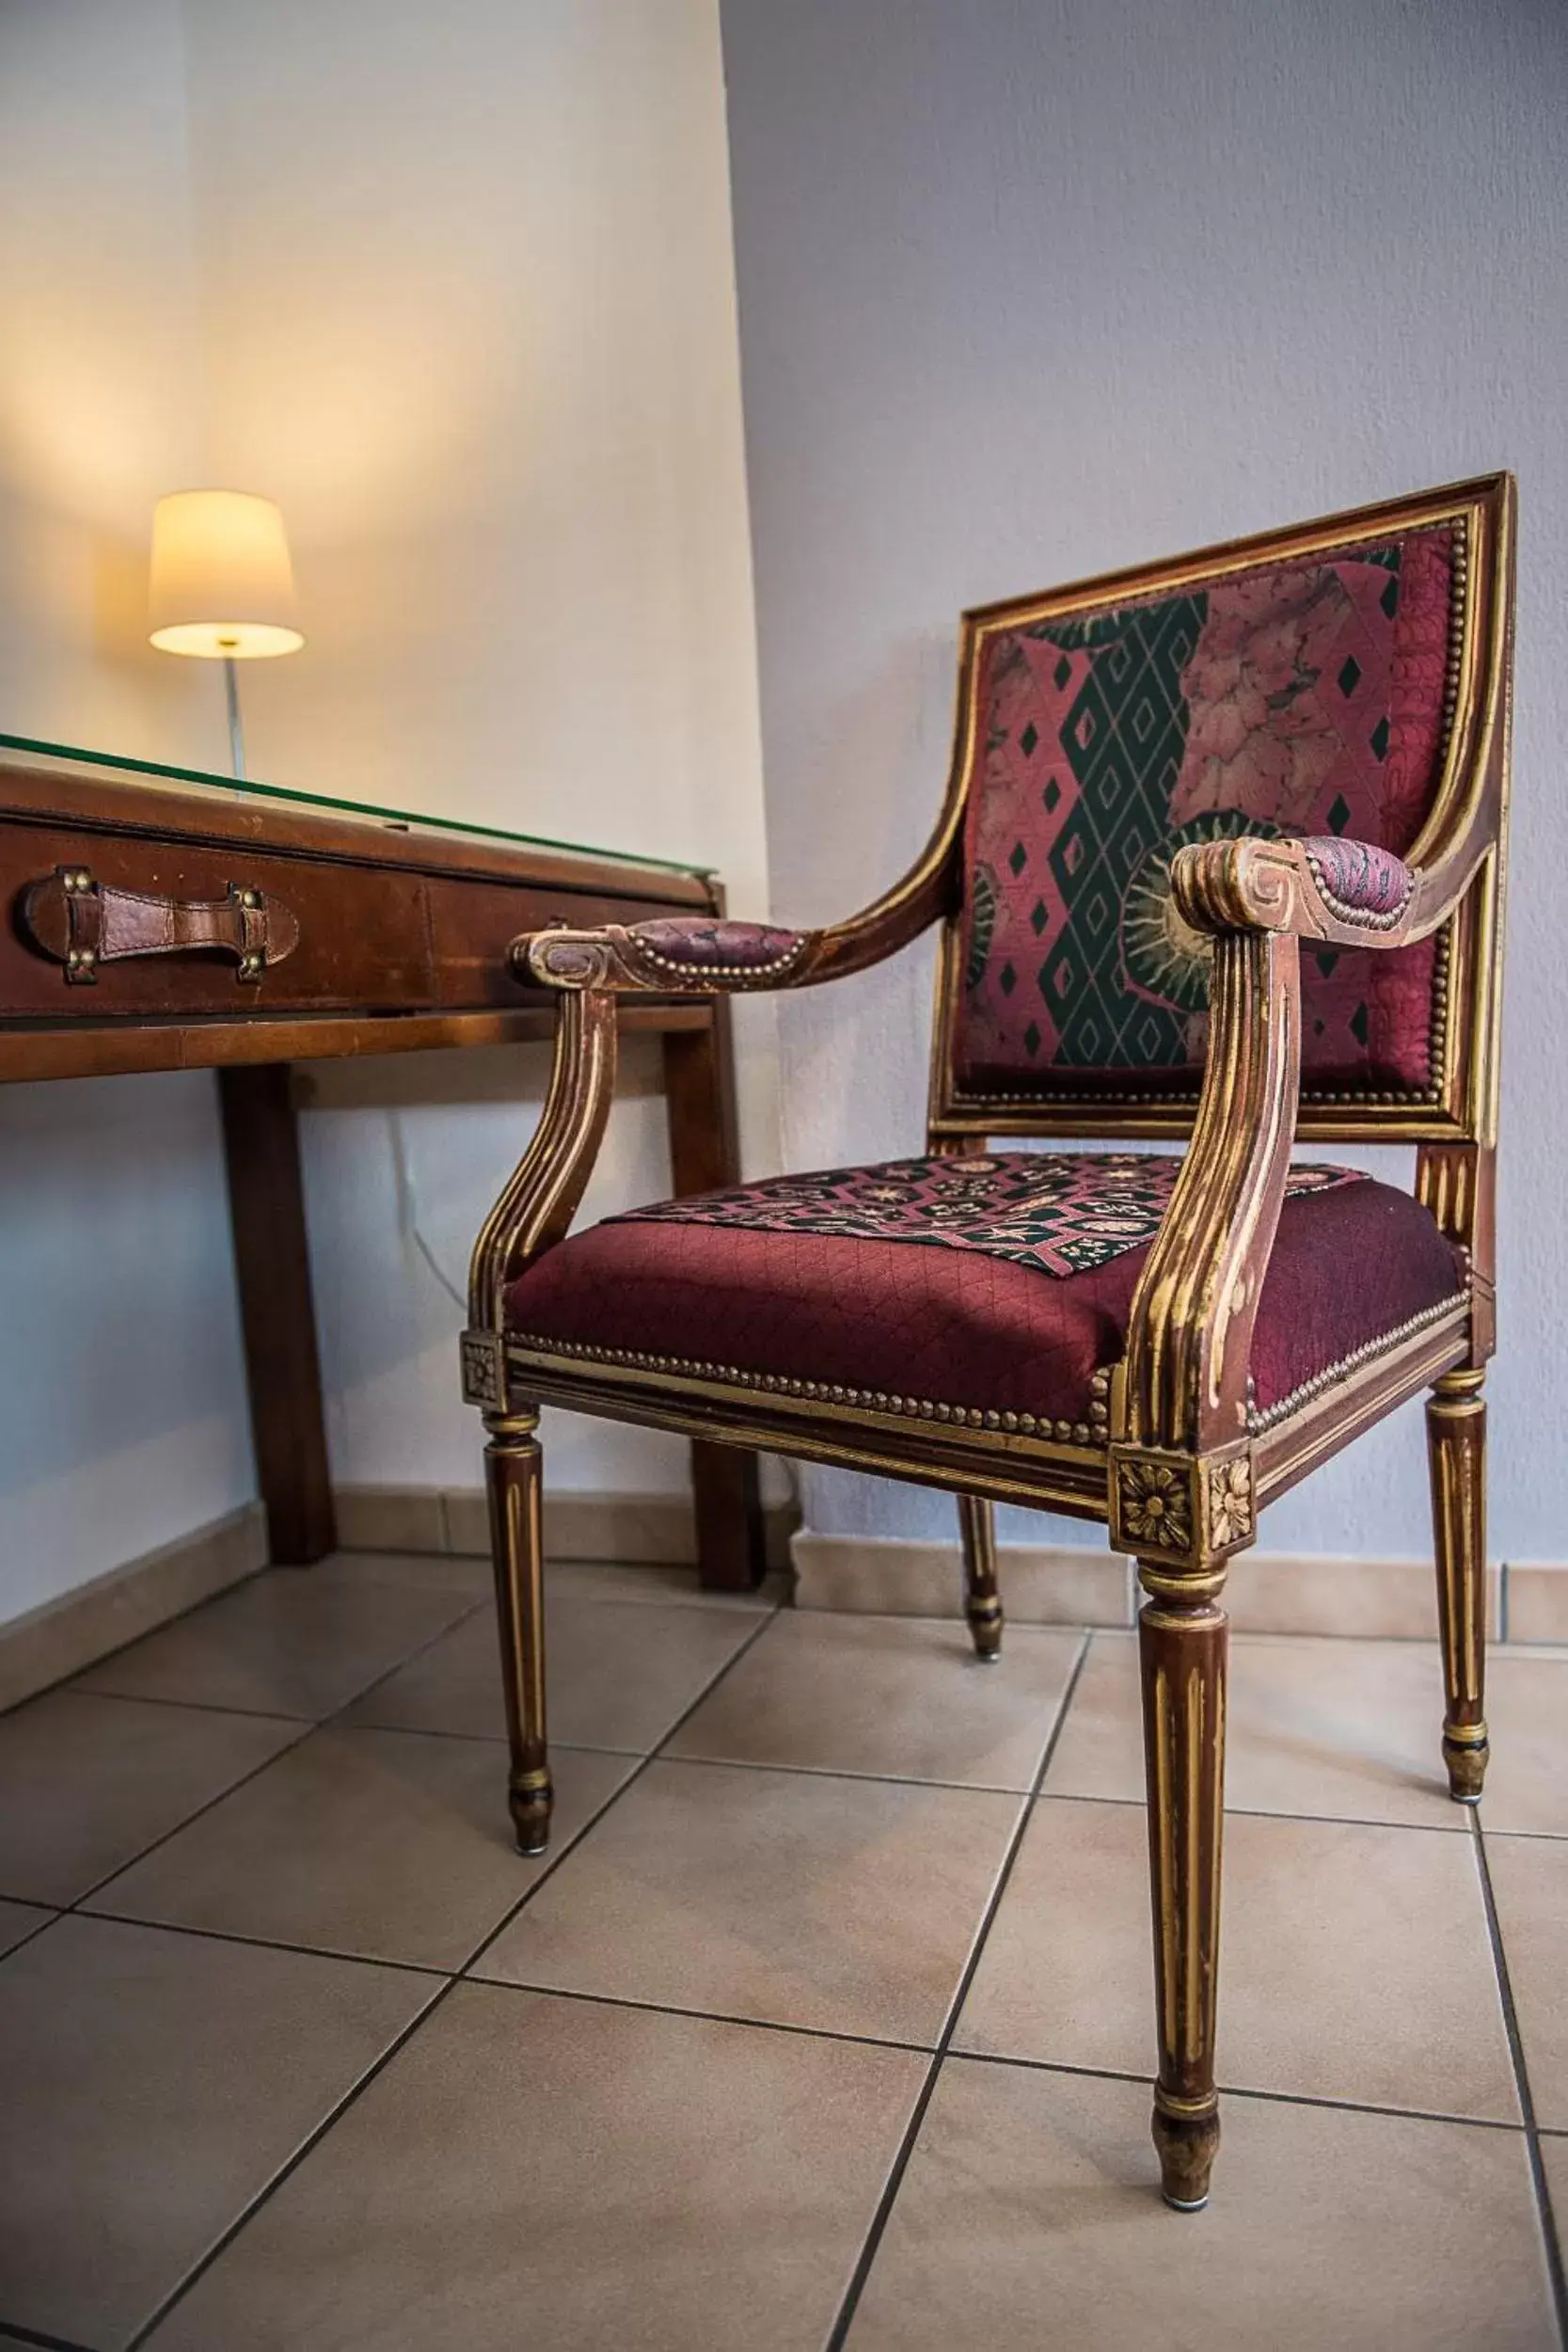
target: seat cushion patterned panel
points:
(962, 1325)
(1295, 699)
(1059, 1212)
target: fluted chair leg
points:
(982, 1601)
(513, 1465)
(1182, 1641)
(1456, 1453)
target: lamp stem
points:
(236, 729)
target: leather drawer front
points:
(472, 926)
(363, 932)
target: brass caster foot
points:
(531, 1819)
(1187, 2145)
(985, 1630)
(1466, 1763)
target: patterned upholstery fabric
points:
(1302, 700)
(1058, 1212)
(702, 944)
(966, 1327)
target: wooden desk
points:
(160, 920)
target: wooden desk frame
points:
(189, 1015)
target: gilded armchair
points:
(1220, 862)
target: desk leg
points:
(705, 1152)
(272, 1261)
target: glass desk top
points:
(112, 766)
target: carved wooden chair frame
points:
(1173, 1456)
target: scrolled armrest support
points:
(1183, 1378)
(541, 1197)
(1351, 893)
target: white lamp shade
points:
(222, 583)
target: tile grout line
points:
(39, 2336)
(356, 2090)
(1556, 2278)
(56, 1912)
(894, 2181)
(1274, 1813)
(307, 1731)
(270, 1944)
(1242, 2091)
(704, 2016)
(639, 1757)
(654, 1755)
(291, 2164)
(72, 1679)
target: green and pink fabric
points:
(1302, 700)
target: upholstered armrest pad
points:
(672, 954)
(1356, 878)
(722, 950)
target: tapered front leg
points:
(1181, 1640)
(1456, 1453)
(513, 1465)
(982, 1599)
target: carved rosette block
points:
(1182, 1509)
(1229, 1502)
(1154, 1504)
(483, 1361)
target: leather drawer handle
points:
(81, 924)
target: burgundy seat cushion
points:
(977, 1322)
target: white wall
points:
(1030, 289)
(456, 287)
(122, 1419)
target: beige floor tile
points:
(848, 1905)
(1553, 2157)
(88, 1782)
(620, 1673)
(898, 1696)
(19, 1920)
(1355, 1962)
(394, 1845)
(609, 1580)
(1347, 1729)
(561, 2174)
(297, 1640)
(1527, 1708)
(1029, 2216)
(153, 2084)
(1529, 1885)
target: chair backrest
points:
(1346, 677)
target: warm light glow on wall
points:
(222, 583)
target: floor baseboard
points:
(644, 1531)
(63, 1636)
(1267, 1593)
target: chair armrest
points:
(1179, 1403)
(699, 955)
(1351, 893)
(706, 955)
(1183, 1385)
